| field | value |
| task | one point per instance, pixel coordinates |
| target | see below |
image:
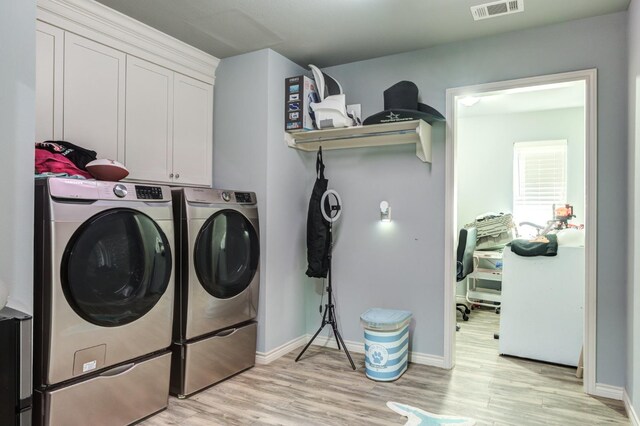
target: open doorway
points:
(521, 164)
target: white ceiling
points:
(332, 32)
(527, 99)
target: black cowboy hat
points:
(401, 104)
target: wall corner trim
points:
(633, 416)
(608, 391)
(263, 358)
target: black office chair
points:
(464, 262)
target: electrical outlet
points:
(355, 110)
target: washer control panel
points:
(148, 192)
(78, 189)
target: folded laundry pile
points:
(494, 230)
(63, 157)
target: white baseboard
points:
(426, 359)
(633, 417)
(608, 391)
(358, 347)
(270, 356)
(330, 341)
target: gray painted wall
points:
(633, 299)
(289, 174)
(17, 121)
(250, 154)
(485, 158)
(402, 266)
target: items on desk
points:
(543, 245)
(561, 216)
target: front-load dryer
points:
(217, 286)
(103, 300)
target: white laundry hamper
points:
(386, 343)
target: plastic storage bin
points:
(386, 343)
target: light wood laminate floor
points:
(321, 389)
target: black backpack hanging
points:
(318, 227)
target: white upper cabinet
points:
(169, 125)
(49, 68)
(148, 151)
(192, 131)
(106, 82)
(94, 96)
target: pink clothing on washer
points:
(57, 163)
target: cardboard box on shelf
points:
(299, 92)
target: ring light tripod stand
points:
(329, 315)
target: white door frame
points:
(590, 79)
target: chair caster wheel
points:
(465, 317)
(467, 310)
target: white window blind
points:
(539, 179)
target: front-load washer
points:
(217, 286)
(103, 300)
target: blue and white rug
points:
(416, 416)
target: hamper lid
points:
(385, 318)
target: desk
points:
(479, 295)
(542, 306)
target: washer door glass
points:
(116, 267)
(226, 254)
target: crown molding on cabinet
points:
(95, 21)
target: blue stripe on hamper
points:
(391, 351)
(399, 340)
(387, 375)
(390, 363)
(386, 338)
(397, 332)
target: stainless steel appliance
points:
(15, 368)
(103, 301)
(217, 285)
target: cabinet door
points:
(192, 131)
(149, 121)
(49, 69)
(94, 89)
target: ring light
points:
(337, 207)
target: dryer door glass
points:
(116, 267)
(226, 254)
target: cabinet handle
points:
(170, 175)
(177, 175)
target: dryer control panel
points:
(243, 197)
(218, 196)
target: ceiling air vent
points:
(497, 8)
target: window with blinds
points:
(539, 179)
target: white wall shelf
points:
(416, 132)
